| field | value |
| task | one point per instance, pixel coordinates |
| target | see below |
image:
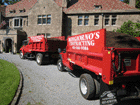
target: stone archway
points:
(8, 45)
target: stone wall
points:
(72, 27)
(15, 35)
(45, 7)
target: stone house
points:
(61, 18)
(89, 15)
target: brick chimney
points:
(132, 3)
(65, 3)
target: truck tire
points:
(21, 55)
(97, 85)
(87, 86)
(39, 58)
(60, 66)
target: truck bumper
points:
(114, 94)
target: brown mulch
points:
(121, 40)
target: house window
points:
(96, 7)
(13, 11)
(106, 20)
(43, 19)
(21, 11)
(39, 19)
(80, 20)
(48, 19)
(96, 20)
(18, 22)
(113, 20)
(46, 35)
(86, 19)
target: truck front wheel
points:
(60, 65)
(39, 59)
(87, 86)
(21, 55)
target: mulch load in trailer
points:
(121, 40)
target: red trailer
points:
(41, 48)
(109, 72)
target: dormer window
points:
(22, 10)
(97, 6)
(13, 11)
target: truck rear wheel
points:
(87, 86)
(21, 55)
(39, 59)
(60, 65)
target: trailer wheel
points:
(60, 65)
(87, 86)
(39, 59)
(21, 55)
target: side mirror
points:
(64, 50)
(59, 50)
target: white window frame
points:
(19, 22)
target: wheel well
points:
(81, 71)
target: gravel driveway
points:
(45, 85)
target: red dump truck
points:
(41, 48)
(106, 72)
(138, 38)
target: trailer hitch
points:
(119, 64)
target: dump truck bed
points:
(96, 50)
(42, 44)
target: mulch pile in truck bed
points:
(121, 40)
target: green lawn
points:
(9, 81)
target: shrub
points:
(130, 28)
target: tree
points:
(130, 28)
(126, 1)
(8, 1)
(137, 3)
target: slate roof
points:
(58, 2)
(81, 6)
(23, 4)
(88, 5)
(2, 9)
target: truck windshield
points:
(25, 42)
